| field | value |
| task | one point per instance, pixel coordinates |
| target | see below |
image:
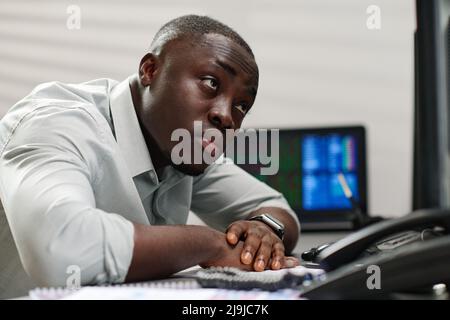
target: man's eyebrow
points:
(226, 67)
(252, 90)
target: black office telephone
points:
(410, 253)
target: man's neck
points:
(137, 93)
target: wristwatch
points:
(272, 222)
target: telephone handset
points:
(349, 248)
(407, 267)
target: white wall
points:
(319, 64)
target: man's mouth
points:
(209, 140)
(209, 146)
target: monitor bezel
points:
(333, 219)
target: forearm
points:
(291, 229)
(160, 251)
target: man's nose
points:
(220, 115)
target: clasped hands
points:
(259, 248)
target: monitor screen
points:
(310, 162)
(323, 157)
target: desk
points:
(307, 241)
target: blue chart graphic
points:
(323, 158)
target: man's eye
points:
(211, 83)
(243, 108)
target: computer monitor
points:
(431, 176)
(312, 163)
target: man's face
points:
(213, 81)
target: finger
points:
(290, 262)
(277, 256)
(234, 233)
(251, 246)
(264, 253)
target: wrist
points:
(262, 224)
(275, 225)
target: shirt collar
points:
(128, 132)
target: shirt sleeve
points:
(47, 169)
(225, 193)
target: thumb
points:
(232, 238)
(234, 233)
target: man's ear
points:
(148, 68)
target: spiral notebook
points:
(196, 283)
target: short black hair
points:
(194, 25)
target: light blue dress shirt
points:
(75, 172)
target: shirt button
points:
(152, 176)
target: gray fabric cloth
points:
(75, 172)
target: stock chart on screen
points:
(310, 161)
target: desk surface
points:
(314, 239)
(307, 241)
